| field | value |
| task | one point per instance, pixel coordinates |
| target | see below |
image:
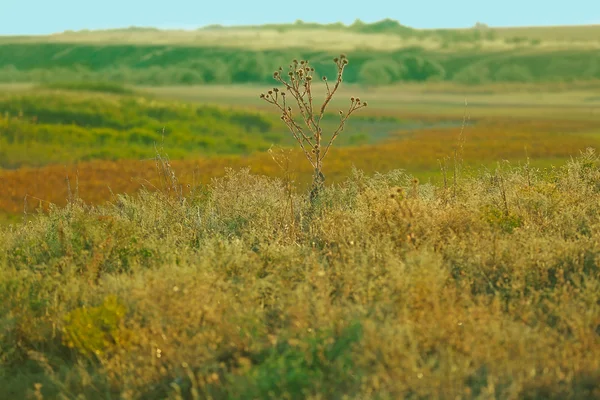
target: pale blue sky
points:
(48, 16)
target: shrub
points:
(473, 75)
(95, 330)
(420, 69)
(513, 73)
(379, 72)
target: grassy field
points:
(109, 140)
(570, 101)
(158, 240)
(51, 126)
(381, 288)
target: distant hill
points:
(386, 34)
(388, 26)
(381, 53)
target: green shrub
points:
(297, 369)
(498, 218)
(421, 69)
(513, 73)
(92, 331)
(380, 72)
(473, 75)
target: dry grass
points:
(546, 141)
(265, 39)
(574, 101)
(553, 33)
(387, 288)
(570, 37)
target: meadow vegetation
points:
(109, 140)
(386, 287)
(89, 86)
(159, 242)
(45, 127)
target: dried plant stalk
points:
(309, 135)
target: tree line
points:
(163, 65)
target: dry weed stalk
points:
(299, 85)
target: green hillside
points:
(168, 65)
(383, 52)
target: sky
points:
(18, 17)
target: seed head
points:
(364, 104)
(336, 59)
(262, 95)
(275, 90)
(324, 78)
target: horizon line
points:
(298, 22)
